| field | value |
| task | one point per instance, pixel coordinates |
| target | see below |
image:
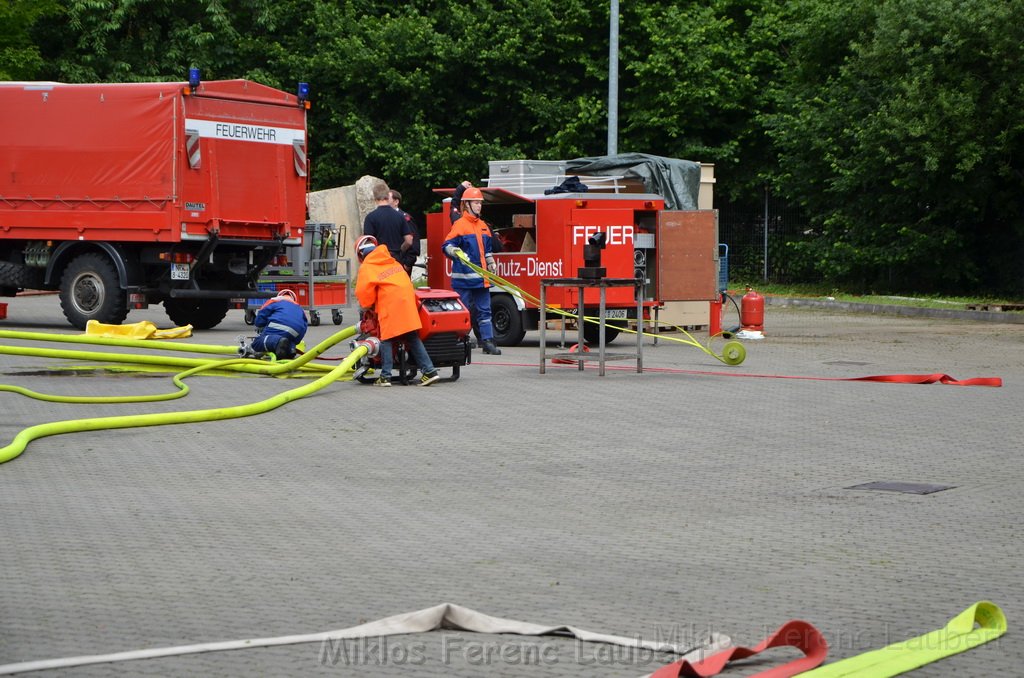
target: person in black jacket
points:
(409, 257)
(386, 225)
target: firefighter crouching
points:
(383, 285)
(470, 239)
(281, 324)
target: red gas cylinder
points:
(752, 311)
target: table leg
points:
(639, 334)
(600, 319)
(579, 330)
(543, 330)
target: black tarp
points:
(678, 181)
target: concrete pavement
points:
(664, 504)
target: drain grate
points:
(905, 488)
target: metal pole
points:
(613, 79)
(766, 233)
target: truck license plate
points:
(179, 271)
(615, 313)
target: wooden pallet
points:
(667, 329)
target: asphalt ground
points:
(689, 498)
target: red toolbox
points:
(324, 294)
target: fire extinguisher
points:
(752, 311)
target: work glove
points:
(458, 253)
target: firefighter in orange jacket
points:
(383, 285)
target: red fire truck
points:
(124, 195)
(674, 253)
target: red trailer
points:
(675, 253)
(123, 195)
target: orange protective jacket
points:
(383, 285)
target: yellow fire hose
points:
(733, 352)
(167, 361)
(253, 366)
(21, 441)
(975, 626)
(118, 341)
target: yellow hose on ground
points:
(165, 361)
(21, 441)
(733, 352)
(118, 341)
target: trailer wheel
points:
(337, 317)
(201, 314)
(91, 290)
(592, 331)
(506, 320)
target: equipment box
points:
(312, 292)
(526, 176)
(255, 304)
(324, 293)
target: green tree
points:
(425, 93)
(139, 40)
(696, 73)
(19, 54)
(900, 131)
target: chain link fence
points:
(756, 252)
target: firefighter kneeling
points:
(281, 324)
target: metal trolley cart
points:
(315, 293)
(313, 276)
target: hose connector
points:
(372, 345)
(245, 349)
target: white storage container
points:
(526, 177)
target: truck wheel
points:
(20, 276)
(506, 320)
(91, 290)
(201, 314)
(592, 331)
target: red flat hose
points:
(937, 378)
(795, 633)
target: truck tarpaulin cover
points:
(678, 181)
(118, 144)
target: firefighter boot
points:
(489, 347)
(284, 350)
